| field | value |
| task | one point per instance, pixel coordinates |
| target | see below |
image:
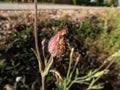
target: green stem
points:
(92, 83)
(45, 72)
(43, 82)
(70, 62)
(43, 51)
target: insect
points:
(57, 43)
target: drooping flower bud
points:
(57, 44)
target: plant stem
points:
(36, 45)
(35, 26)
(43, 82)
(92, 83)
(36, 33)
(70, 62)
